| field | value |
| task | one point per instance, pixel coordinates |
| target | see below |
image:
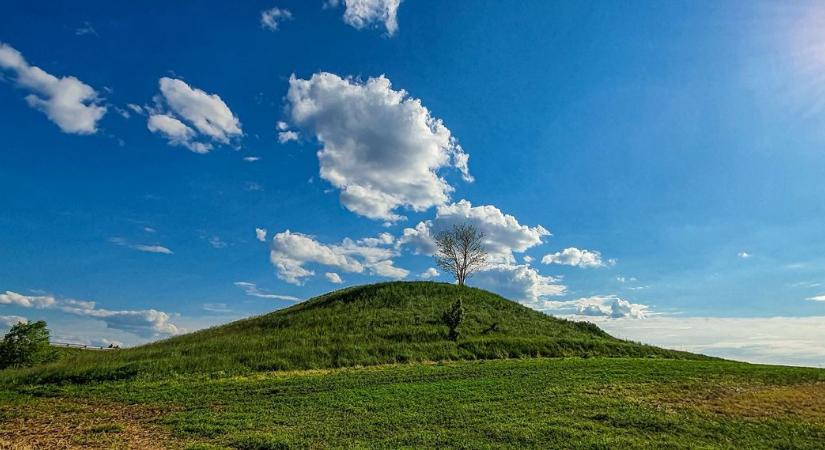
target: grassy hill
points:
(397, 322)
(244, 385)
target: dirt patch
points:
(59, 423)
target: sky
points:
(653, 167)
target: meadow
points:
(373, 367)
(525, 403)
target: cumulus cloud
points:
(817, 298)
(271, 18)
(429, 273)
(176, 132)
(744, 255)
(147, 323)
(381, 148)
(518, 282)
(252, 290)
(286, 136)
(362, 14)
(68, 102)
(572, 256)
(192, 118)
(503, 234)
(27, 301)
(333, 277)
(599, 306)
(290, 252)
(141, 247)
(260, 234)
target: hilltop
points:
(396, 322)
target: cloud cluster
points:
(764, 340)
(503, 234)
(271, 18)
(191, 118)
(381, 148)
(146, 323)
(597, 306)
(572, 256)
(361, 14)
(68, 102)
(27, 301)
(252, 290)
(291, 252)
(518, 282)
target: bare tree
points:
(460, 251)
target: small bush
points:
(453, 318)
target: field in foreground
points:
(539, 402)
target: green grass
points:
(530, 403)
(371, 367)
(367, 325)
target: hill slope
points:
(365, 325)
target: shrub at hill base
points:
(26, 344)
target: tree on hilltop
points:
(460, 251)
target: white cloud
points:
(86, 29)
(176, 132)
(744, 255)
(817, 298)
(572, 256)
(216, 242)
(27, 301)
(152, 249)
(252, 290)
(527, 259)
(429, 273)
(136, 108)
(598, 305)
(10, 321)
(219, 308)
(333, 277)
(291, 251)
(141, 247)
(271, 18)
(68, 102)
(381, 148)
(281, 125)
(251, 158)
(764, 340)
(503, 234)
(286, 136)
(147, 323)
(521, 283)
(206, 116)
(361, 14)
(260, 234)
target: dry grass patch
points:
(52, 423)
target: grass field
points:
(372, 366)
(539, 403)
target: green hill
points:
(396, 322)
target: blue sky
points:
(655, 167)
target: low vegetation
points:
(398, 322)
(488, 373)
